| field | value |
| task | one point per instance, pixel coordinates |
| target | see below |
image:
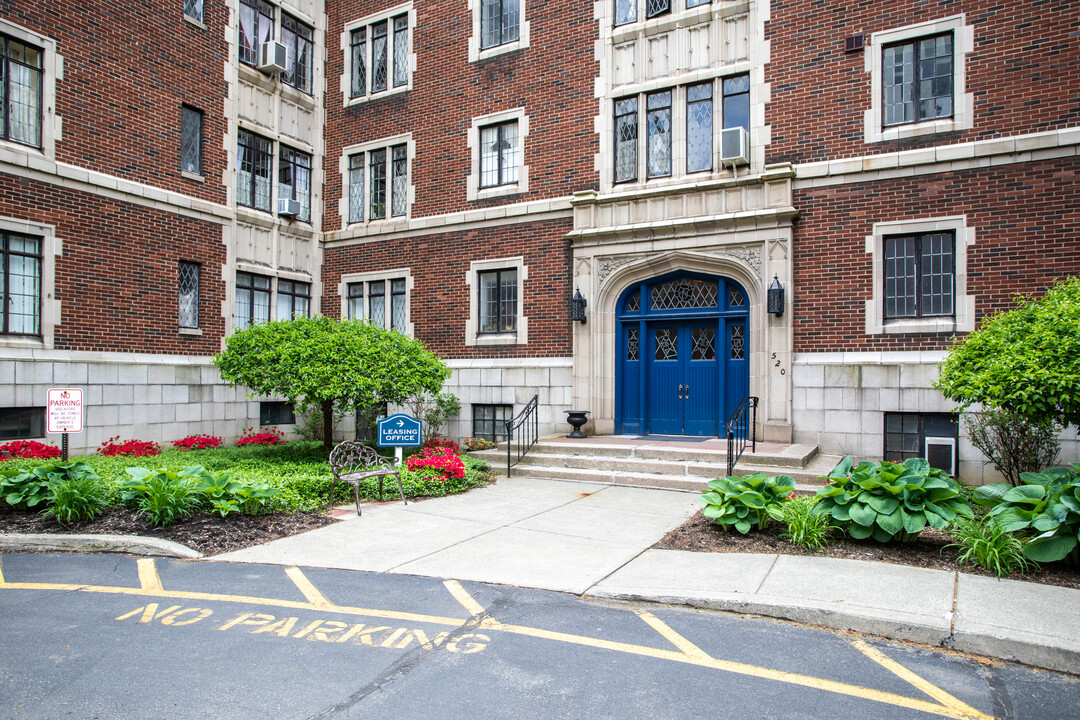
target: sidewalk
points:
(593, 540)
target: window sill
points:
(192, 176)
(497, 338)
(256, 77)
(197, 23)
(919, 325)
(190, 331)
(297, 96)
(370, 97)
(498, 50)
(253, 216)
(498, 191)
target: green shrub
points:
(745, 502)
(26, 488)
(77, 498)
(804, 527)
(985, 542)
(891, 501)
(163, 495)
(1048, 503)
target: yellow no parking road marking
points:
(685, 651)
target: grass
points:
(984, 542)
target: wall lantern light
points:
(577, 307)
(776, 297)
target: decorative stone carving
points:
(582, 266)
(748, 255)
(609, 265)
(778, 249)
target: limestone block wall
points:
(839, 401)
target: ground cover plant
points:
(746, 502)
(1045, 510)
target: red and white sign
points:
(64, 414)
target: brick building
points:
(459, 170)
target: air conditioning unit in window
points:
(272, 57)
(734, 146)
(941, 453)
(287, 207)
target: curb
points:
(133, 544)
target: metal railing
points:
(741, 425)
(527, 423)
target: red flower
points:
(28, 449)
(111, 447)
(197, 442)
(266, 436)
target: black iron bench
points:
(354, 462)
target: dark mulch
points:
(209, 534)
(701, 534)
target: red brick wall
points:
(439, 300)
(128, 67)
(1023, 72)
(117, 277)
(552, 79)
(1025, 217)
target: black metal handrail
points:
(740, 425)
(528, 420)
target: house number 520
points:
(776, 363)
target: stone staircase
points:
(659, 464)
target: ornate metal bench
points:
(354, 462)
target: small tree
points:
(319, 361)
(433, 411)
(1013, 443)
(1025, 361)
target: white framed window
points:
(630, 11)
(293, 299)
(252, 300)
(496, 302)
(379, 57)
(188, 294)
(919, 276)
(497, 144)
(917, 75)
(376, 180)
(28, 253)
(498, 26)
(29, 69)
(381, 298)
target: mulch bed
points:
(209, 534)
(701, 534)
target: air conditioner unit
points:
(734, 146)
(287, 207)
(940, 452)
(272, 57)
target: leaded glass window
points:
(625, 11)
(188, 294)
(256, 28)
(498, 22)
(658, 129)
(194, 9)
(401, 50)
(254, 159)
(377, 302)
(699, 129)
(695, 3)
(499, 154)
(626, 139)
(297, 38)
(20, 92)
(20, 284)
(633, 303)
(399, 176)
(919, 275)
(633, 342)
(355, 299)
(703, 343)
(737, 102)
(378, 57)
(498, 301)
(917, 80)
(191, 121)
(377, 171)
(667, 343)
(737, 339)
(359, 62)
(684, 293)
(657, 7)
(397, 304)
(356, 187)
(735, 297)
(293, 300)
(294, 179)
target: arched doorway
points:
(682, 349)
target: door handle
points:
(687, 392)
(680, 392)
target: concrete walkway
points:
(594, 540)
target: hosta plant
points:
(746, 502)
(164, 496)
(27, 489)
(891, 501)
(1048, 504)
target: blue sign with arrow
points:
(399, 430)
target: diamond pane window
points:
(684, 293)
(917, 80)
(703, 343)
(626, 139)
(377, 302)
(377, 158)
(735, 298)
(737, 102)
(658, 134)
(399, 172)
(699, 128)
(397, 305)
(401, 50)
(625, 11)
(737, 351)
(633, 303)
(657, 7)
(356, 187)
(633, 341)
(20, 284)
(191, 121)
(188, 294)
(667, 345)
(359, 62)
(194, 9)
(378, 57)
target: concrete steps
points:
(670, 466)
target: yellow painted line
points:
(684, 645)
(312, 593)
(740, 669)
(1, 571)
(292, 604)
(908, 676)
(462, 596)
(148, 575)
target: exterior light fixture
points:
(577, 307)
(776, 297)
